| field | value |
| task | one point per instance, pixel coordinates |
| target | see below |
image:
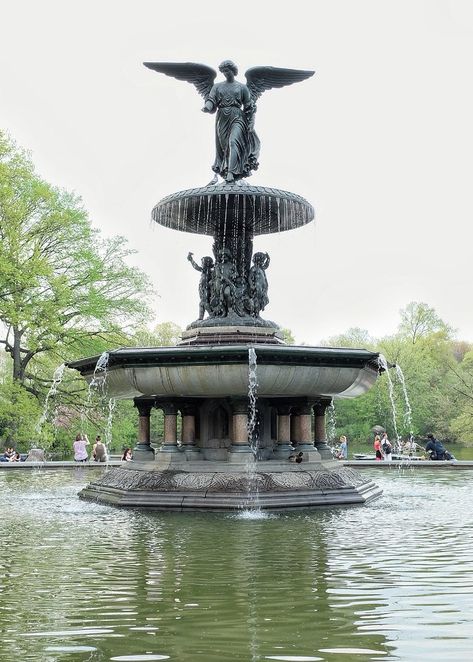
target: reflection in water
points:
(388, 581)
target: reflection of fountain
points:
(205, 378)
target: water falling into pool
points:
(112, 403)
(97, 383)
(331, 423)
(383, 364)
(57, 379)
(252, 398)
(408, 411)
(253, 438)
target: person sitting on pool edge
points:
(436, 449)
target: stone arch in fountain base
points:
(171, 485)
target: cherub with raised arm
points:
(205, 284)
(237, 145)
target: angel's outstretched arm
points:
(211, 101)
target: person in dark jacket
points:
(436, 449)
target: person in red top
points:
(377, 448)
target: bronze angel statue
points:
(237, 145)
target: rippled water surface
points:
(389, 581)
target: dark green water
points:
(388, 581)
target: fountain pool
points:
(85, 581)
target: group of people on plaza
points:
(434, 449)
(99, 450)
(10, 455)
(383, 448)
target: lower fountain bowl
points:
(174, 484)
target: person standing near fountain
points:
(377, 448)
(386, 448)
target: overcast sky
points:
(380, 141)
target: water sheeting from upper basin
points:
(258, 209)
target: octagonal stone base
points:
(271, 485)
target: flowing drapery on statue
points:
(237, 145)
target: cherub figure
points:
(258, 283)
(237, 145)
(224, 284)
(205, 283)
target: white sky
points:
(380, 141)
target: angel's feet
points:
(230, 178)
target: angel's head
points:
(228, 65)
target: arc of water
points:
(253, 502)
(331, 422)
(112, 403)
(408, 412)
(382, 362)
(57, 379)
(98, 381)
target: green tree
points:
(354, 337)
(462, 386)
(164, 334)
(428, 357)
(419, 320)
(288, 336)
(64, 290)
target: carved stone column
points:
(240, 448)
(188, 412)
(143, 451)
(304, 428)
(169, 444)
(283, 448)
(320, 433)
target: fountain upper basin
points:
(217, 371)
(255, 209)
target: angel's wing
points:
(260, 79)
(198, 74)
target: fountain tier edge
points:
(283, 371)
(259, 209)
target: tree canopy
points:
(65, 290)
